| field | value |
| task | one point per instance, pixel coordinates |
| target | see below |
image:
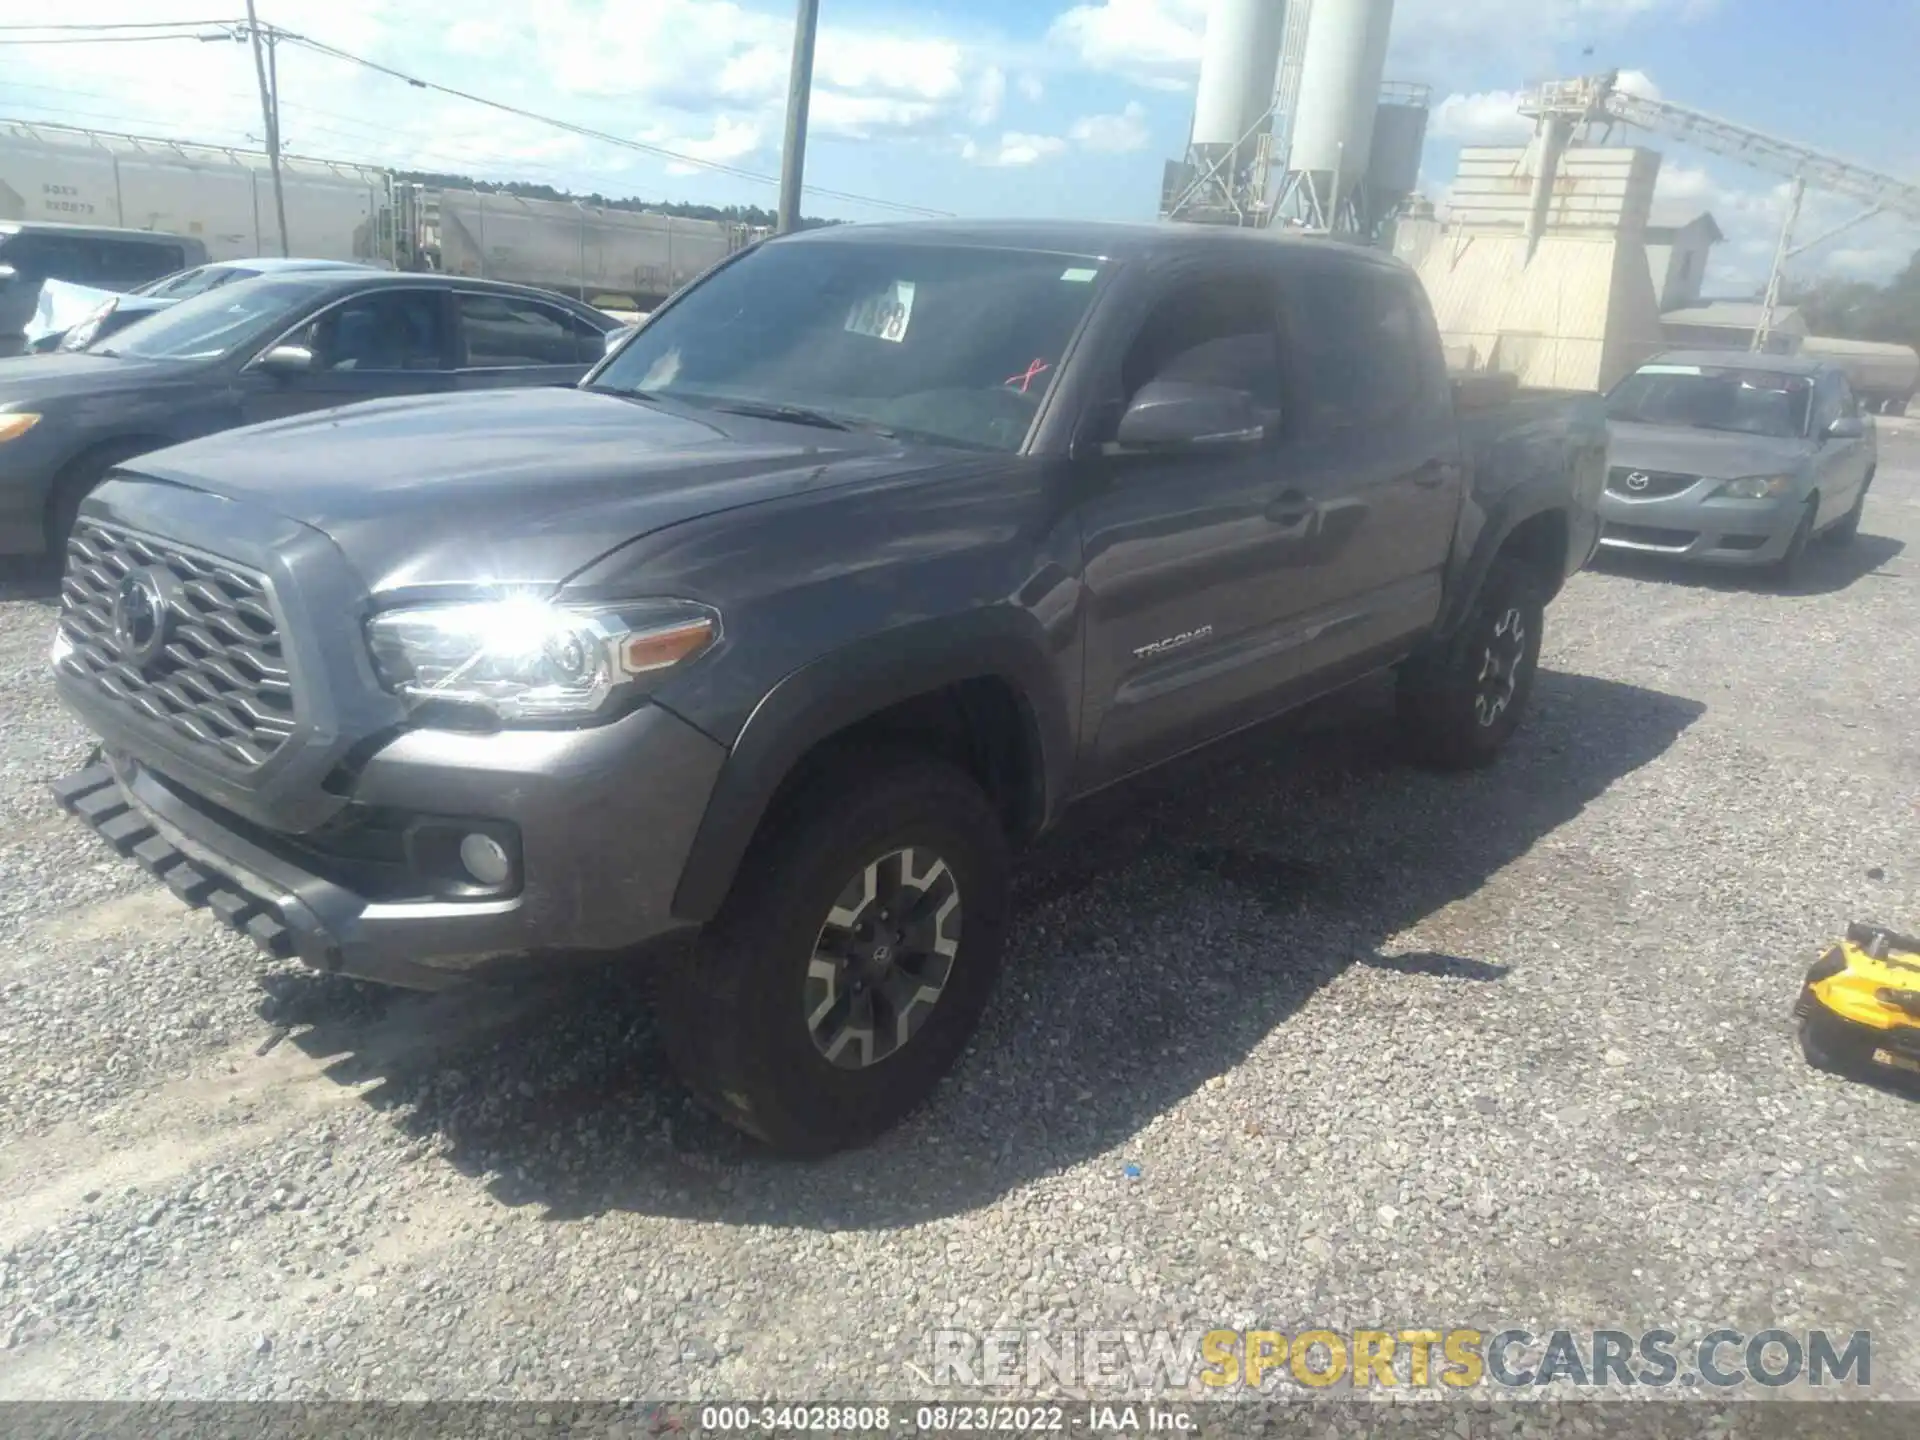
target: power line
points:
(603, 136)
(114, 39)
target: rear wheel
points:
(1459, 705)
(852, 959)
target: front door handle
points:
(1291, 508)
(1434, 474)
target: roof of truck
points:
(1744, 360)
(97, 232)
(1109, 239)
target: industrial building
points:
(1552, 262)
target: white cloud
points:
(1112, 134)
(1152, 42)
(706, 77)
(990, 94)
(1486, 117)
(1032, 87)
(1014, 148)
(1156, 43)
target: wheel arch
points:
(979, 690)
(99, 456)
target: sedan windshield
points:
(947, 343)
(212, 323)
(1698, 397)
(195, 282)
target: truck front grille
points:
(214, 673)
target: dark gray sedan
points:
(260, 350)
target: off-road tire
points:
(732, 1011)
(1446, 716)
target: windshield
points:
(940, 342)
(212, 323)
(194, 282)
(1697, 397)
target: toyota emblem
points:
(1639, 480)
(143, 612)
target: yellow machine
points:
(1859, 1010)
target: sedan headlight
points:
(526, 659)
(15, 423)
(1756, 487)
(79, 336)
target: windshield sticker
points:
(1671, 370)
(662, 372)
(1080, 276)
(884, 316)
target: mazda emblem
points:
(143, 614)
(1639, 480)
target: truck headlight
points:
(526, 659)
(16, 423)
(1756, 487)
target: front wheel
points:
(852, 959)
(1459, 704)
(1786, 570)
(1847, 526)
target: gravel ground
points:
(1291, 1036)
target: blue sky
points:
(984, 107)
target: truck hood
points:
(29, 380)
(1717, 454)
(510, 486)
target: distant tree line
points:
(526, 190)
(1859, 310)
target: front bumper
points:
(604, 818)
(1690, 526)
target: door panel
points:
(387, 341)
(1379, 441)
(1190, 556)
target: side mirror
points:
(1847, 427)
(1173, 414)
(286, 360)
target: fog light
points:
(486, 860)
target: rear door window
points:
(1359, 351)
(509, 331)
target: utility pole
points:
(270, 117)
(793, 157)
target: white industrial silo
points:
(1238, 59)
(1332, 139)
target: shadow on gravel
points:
(1159, 937)
(1826, 570)
(23, 579)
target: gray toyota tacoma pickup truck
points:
(759, 653)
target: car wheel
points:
(852, 958)
(1786, 570)
(1458, 706)
(1848, 525)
